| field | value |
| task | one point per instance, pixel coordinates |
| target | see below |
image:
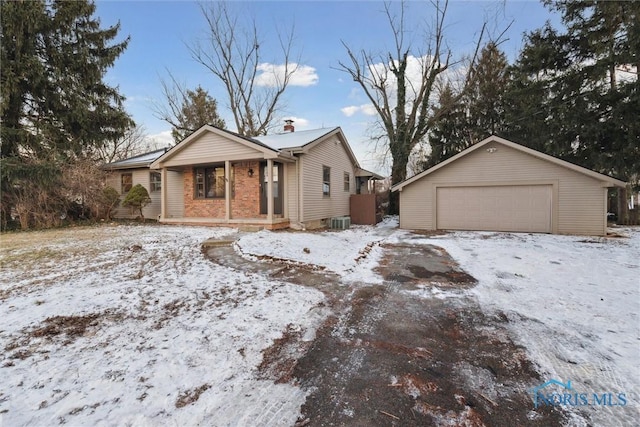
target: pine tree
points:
(54, 102)
(485, 95)
(478, 113)
(568, 94)
(198, 109)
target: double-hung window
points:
(326, 181)
(155, 180)
(347, 181)
(126, 182)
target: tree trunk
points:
(398, 174)
(623, 207)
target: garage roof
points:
(611, 182)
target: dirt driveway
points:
(413, 351)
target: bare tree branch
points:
(132, 143)
(405, 107)
(232, 53)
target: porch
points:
(243, 193)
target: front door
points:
(278, 177)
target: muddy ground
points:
(414, 351)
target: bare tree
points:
(401, 86)
(232, 52)
(132, 143)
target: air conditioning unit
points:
(341, 223)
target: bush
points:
(107, 202)
(137, 198)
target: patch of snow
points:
(176, 339)
(430, 290)
(573, 302)
(352, 253)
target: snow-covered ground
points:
(353, 253)
(142, 330)
(573, 302)
(131, 325)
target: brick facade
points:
(244, 205)
(246, 202)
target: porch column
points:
(227, 189)
(163, 193)
(269, 190)
(284, 188)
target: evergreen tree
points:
(485, 95)
(570, 96)
(198, 109)
(478, 113)
(54, 103)
(447, 137)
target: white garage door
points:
(525, 208)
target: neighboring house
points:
(498, 185)
(124, 174)
(294, 179)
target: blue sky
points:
(159, 31)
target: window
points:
(326, 181)
(156, 181)
(347, 181)
(209, 183)
(126, 182)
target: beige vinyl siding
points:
(211, 148)
(175, 194)
(292, 191)
(329, 153)
(578, 202)
(139, 176)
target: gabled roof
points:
(303, 141)
(365, 173)
(277, 145)
(139, 161)
(595, 175)
(293, 140)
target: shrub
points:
(109, 200)
(137, 198)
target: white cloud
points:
(366, 109)
(350, 110)
(159, 140)
(272, 74)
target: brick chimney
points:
(288, 125)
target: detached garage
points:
(498, 185)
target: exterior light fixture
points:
(491, 150)
(250, 172)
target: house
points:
(217, 177)
(124, 174)
(498, 185)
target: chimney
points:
(288, 125)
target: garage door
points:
(525, 208)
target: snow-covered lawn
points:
(353, 253)
(573, 302)
(131, 325)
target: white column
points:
(270, 190)
(227, 189)
(284, 188)
(163, 193)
